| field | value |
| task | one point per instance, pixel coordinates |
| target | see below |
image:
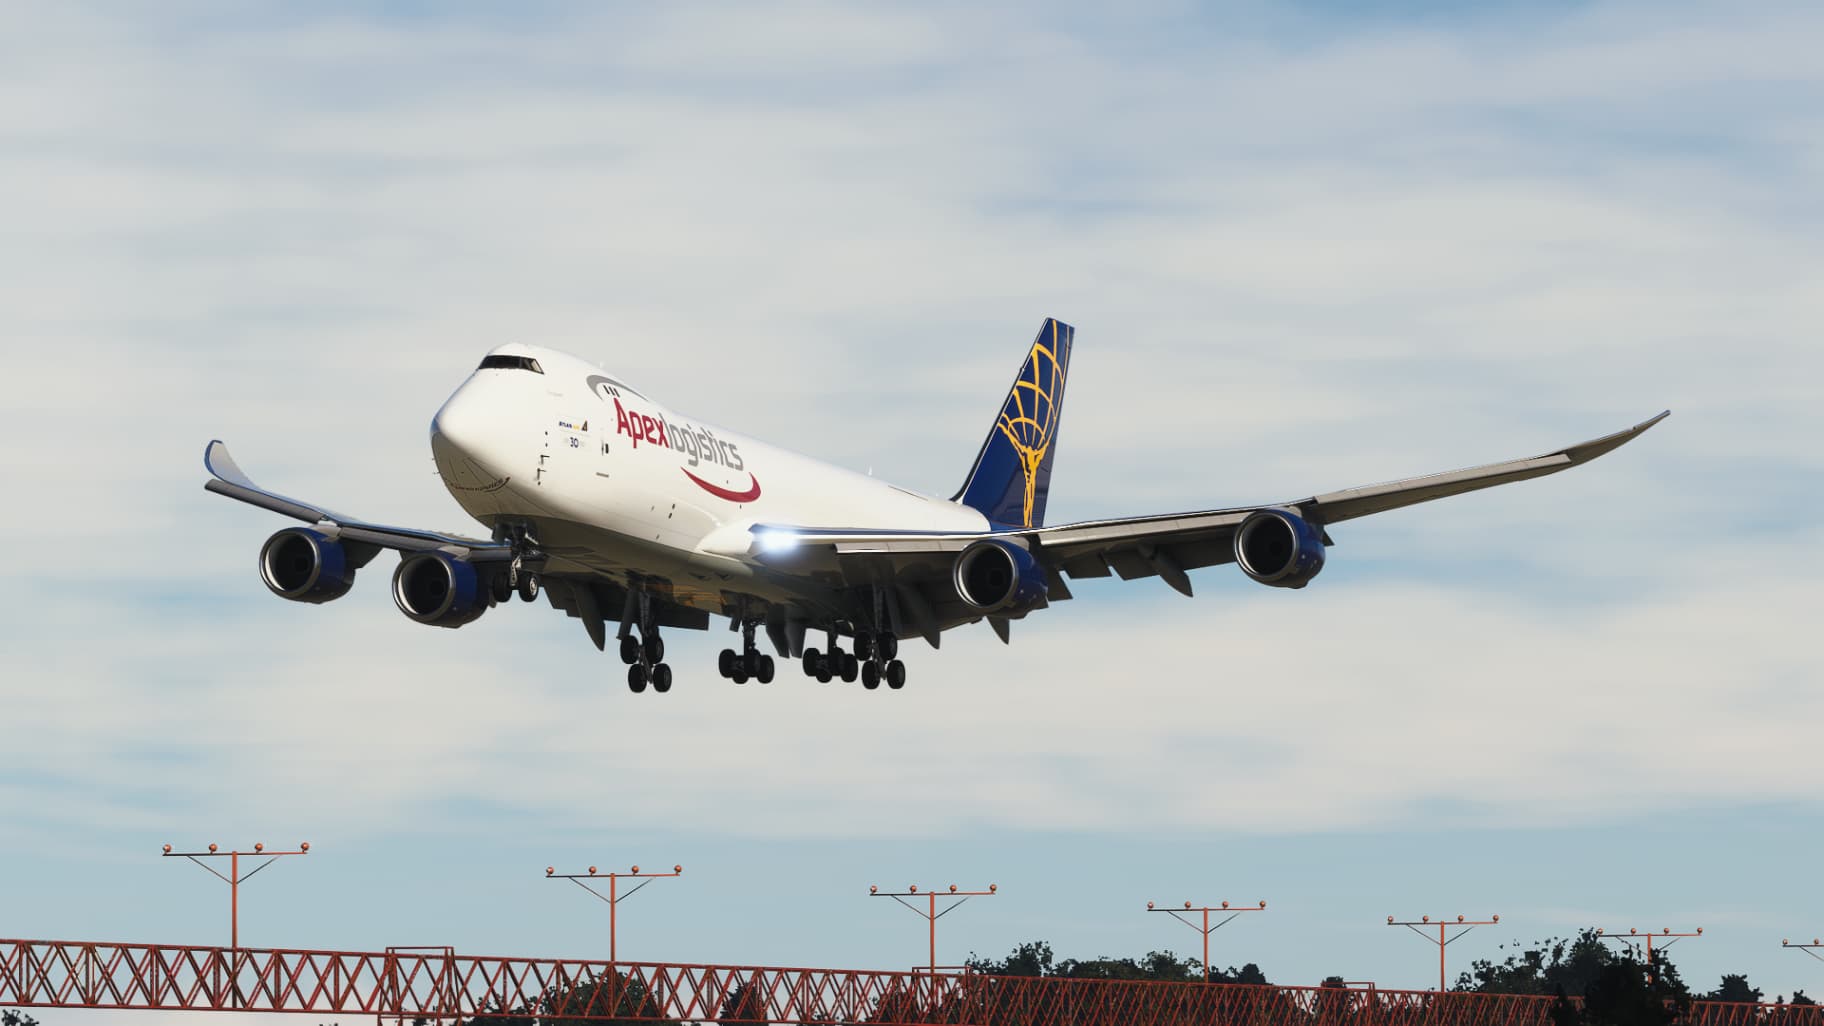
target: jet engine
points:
(1279, 548)
(994, 576)
(305, 566)
(439, 589)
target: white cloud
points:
(1296, 267)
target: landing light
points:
(776, 541)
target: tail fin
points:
(1012, 473)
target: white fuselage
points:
(616, 483)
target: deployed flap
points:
(1164, 545)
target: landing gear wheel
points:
(636, 678)
(823, 670)
(765, 676)
(851, 667)
(725, 663)
(888, 645)
(630, 650)
(528, 587)
(864, 645)
(500, 589)
(870, 675)
(896, 675)
(654, 647)
(810, 662)
(661, 678)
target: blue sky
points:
(1305, 248)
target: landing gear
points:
(528, 587)
(750, 663)
(872, 662)
(643, 655)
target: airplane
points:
(619, 509)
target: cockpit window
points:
(510, 363)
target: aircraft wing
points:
(227, 478)
(1164, 545)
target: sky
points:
(1306, 247)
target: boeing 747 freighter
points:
(624, 512)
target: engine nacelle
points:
(1279, 548)
(439, 589)
(304, 566)
(993, 576)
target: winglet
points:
(219, 463)
(1586, 451)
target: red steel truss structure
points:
(438, 985)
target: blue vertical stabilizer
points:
(1012, 473)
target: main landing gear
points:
(874, 661)
(645, 655)
(750, 663)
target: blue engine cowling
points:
(995, 576)
(438, 589)
(306, 566)
(1279, 548)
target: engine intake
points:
(993, 576)
(1279, 548)
(438, 589)
(305, 566)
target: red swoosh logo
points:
(752, 493)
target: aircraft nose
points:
(470, 437)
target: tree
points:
(14, 1017)
(1735, 988)
(1799, 998)
(1035, 958)
(1556, 963)
(744, 1004)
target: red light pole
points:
(1633, 936)
(613, 897)
(1206, 929)
(930, 912)
(1444, 938)
(234, 879)
(1810, 949)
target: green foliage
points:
(744, 1004)
(1799, 998)
(607, 1000)
(1734, 988)
(1035, 958)
(1567, 964)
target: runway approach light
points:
(304, 846)
(212, 847)
(167, 849)
(872, 889)
(550, 869)
(258, 846)
(952, 888)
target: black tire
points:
(870, 675)
(661, 678)
(889, 646)
(851, 668)
(654, 647)
(823, 670)
(810, 662)
(896, 675)
(500, 589)
(636, 678)
(765, 676)
(725, 663)
(864, 645)
(528, 587)
(630, 650)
